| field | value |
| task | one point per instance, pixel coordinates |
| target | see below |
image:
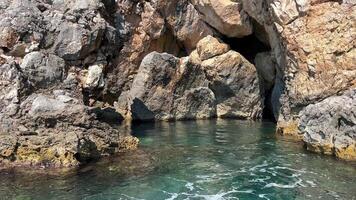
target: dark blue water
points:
(223, 159)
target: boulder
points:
(42, 70)
(209, 47)
(235, 84)
(196, 103)
(188, 26)
(210, 82)
(95, 77)
(162, 88)
(226, 16)
(329, 127)
(75, 42)
(60, 132)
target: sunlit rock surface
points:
(71, 71)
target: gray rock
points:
(165, 85)
(329, 126)
(235, 84)
(196, 103)
(11, 83)
(43, 105)
(57, 131)
(43, 43)
(168, 88)
(42, 70)
(266, 69)
(75, 42)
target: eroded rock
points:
(329, 127)
(42, 70)
(235, 84)
(212, 81)
(226, 16)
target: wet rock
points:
(329, 127)
(128, 143)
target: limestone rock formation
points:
(164, 89)
(213, 81)
(313, 50)
(173, 27)
(233, 80)
(72, 69)
(47, 49)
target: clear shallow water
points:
(196, 160)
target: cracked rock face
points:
(312, 50)
(329, 127)
(47, 48)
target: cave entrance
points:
(267, 113)
(248, 46)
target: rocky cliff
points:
(71, 71)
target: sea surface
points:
(212, 160)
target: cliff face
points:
(71, 70)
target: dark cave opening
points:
(247, 46)
(267, 113)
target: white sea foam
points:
(263, 196)
(264, 164)
(190, 186)
(174, 196)
(277, 185)
(311, 183)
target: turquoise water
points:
(196, 160)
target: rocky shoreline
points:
(72, 71)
